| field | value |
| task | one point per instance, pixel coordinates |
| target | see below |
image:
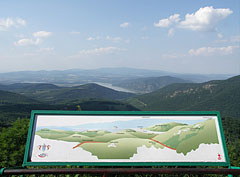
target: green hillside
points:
(149, 84)
(24, 87)
(10, 112)
(223, 96)
(188, 137)
(25, 97)
(105, 145)
(14, 98)
(164, 127)
(50, 93)
(53, 94)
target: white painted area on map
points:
(112, 145)
(62, 151)
(204, 153)
(147, 131)
(218, 133)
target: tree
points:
(79, 108)
(12, 143)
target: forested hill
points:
(50, 93)
(24, 87)
(223, 96)
(25, 97)
(14, 98)
(66, 95)
(149, 84)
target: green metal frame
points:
(26, 161)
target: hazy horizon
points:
(196, 37)
(101, 68)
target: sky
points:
(110, 122)
(200, 36)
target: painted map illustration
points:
(127, 139)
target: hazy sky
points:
(200, 36)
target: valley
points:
(17, 99)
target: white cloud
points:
(98, 51)
(113, 39)
(20, 21)
(108, 38)
(42, 34)
(163, 23)
(166, 22)
(94, 38)
(33, 41)
(27, 42)
(174, 18)
(171, 32)
(6, 23)
(205, 19)
(219, 35)
(232, 39)
(124, 25)
(10, 22)
(204, 51)
(207, 51)
(90, 38)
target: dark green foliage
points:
(9, 113)
(12, 143)
(52, 94)
(14, 98)
(231, 128)
(24, 87)
(106, 106)
(52, 97)
(223, 96)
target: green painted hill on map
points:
(123, 144)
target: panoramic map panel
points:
(83, 138)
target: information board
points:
(125, 138)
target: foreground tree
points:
(12, 143)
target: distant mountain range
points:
(223, 96)
(105, 75)
(149, 84)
